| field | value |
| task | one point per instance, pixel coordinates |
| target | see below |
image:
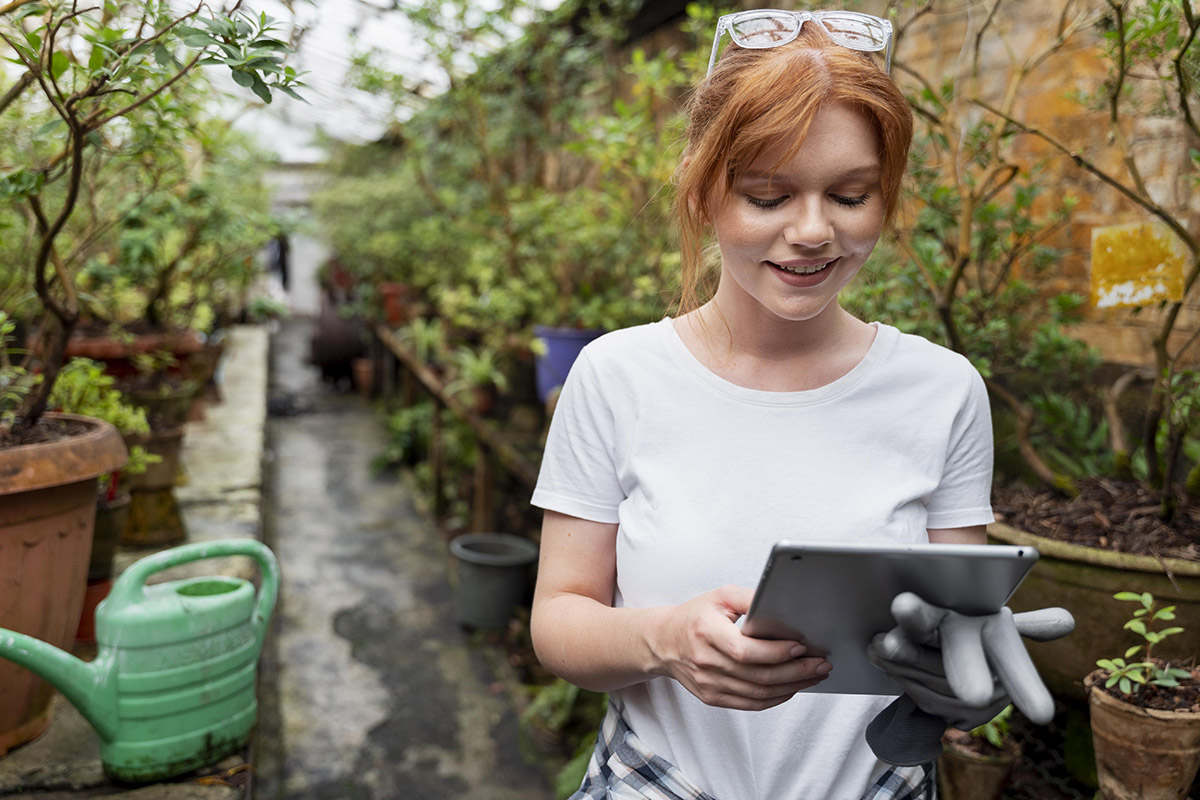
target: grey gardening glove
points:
(956, 670)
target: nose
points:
(809, 224)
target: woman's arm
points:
(973, 534)
(579, 636)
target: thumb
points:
(734, 601)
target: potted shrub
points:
(977, 764)
(1145, 713)
(47, 514)
(79, 69)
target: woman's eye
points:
(842, 200)
(759, 202)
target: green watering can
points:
(172, 687)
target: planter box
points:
(1083, 580)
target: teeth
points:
(804, 270)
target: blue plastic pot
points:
(563, 346)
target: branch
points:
(1144, 202)
(1116, 428)
(1029, 454)
(15, 90)
(148, 97)
(1180, 75)
(14, 5)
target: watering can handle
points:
(128, 587)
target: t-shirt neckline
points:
(885, 339)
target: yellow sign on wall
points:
(1136, 265)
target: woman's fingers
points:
(757, 688)
(723, 667)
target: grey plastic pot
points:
(493, 577)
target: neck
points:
(774, 354)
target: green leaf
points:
(96, 58)
(48, 128)
(242, 78)
(1135, 597)
(261, 89)
(1137, 626)
(59, 64)
(1132, 650)
(199, 42)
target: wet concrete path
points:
(371, 690)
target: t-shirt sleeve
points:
(578, 475)
(963, 497)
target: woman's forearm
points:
(593, 645)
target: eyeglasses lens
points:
(764, 30)
(855, 32)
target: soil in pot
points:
(1107, 514)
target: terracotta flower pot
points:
(117, 356)
(1141, 753)
(964, 774)
(47, 517)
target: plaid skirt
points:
(622, 768)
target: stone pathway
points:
(372, 689)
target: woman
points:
(682, 450)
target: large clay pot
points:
(117, 356)
(1141, 753)
(47, 516)
(1083, 580)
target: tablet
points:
(834, 597)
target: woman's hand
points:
(699, 645)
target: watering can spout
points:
(81, 682)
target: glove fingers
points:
(1044, 624)
(1016, 671)
(918, 618)
(895, 645)
(964, 658)
(935, 697)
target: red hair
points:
(753, 100)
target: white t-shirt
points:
(704, 476)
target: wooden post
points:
(483, 515)
(436, 461)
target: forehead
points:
(842, 138)
(840, 132)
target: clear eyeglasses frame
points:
(758, 30)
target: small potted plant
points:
(1145, 714)
(478, 374)
(976, 764)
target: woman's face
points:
(791, 240)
